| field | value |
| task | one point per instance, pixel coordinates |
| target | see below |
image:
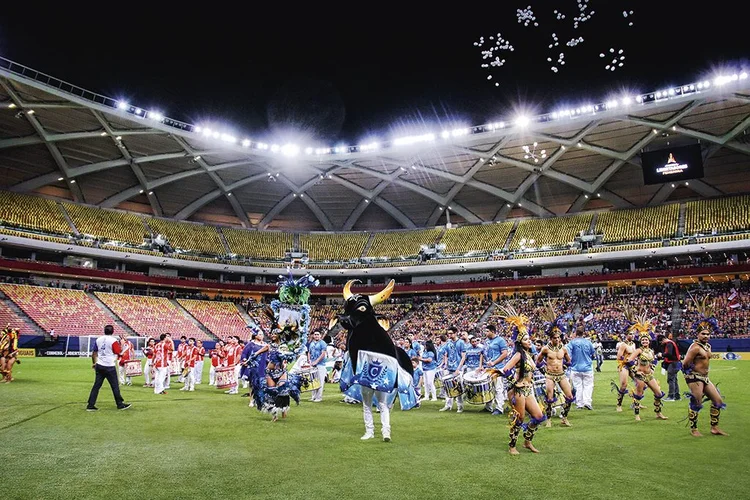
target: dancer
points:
(696, 366)
(556, 357)
(521, 386)
(624, 350)
(644, 360)
(8, 353)
(374, 368)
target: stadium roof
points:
(60, 140)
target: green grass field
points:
(207, 444)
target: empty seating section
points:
(69, 312)
(258, 244)
(151, 316)
(723, 215)
(190, 237)
(32, 212)
(333, 247)
(118, 226)
(402, 243)
(480, 238)
(9, 317)
(221, 318)
(638, 225)
(553, 233)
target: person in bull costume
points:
(375, 370)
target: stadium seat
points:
(549, 234)
(340, 247)
(69, 312)
(402, 243)
(198, 238)
(640, 224)
(221, 318)
(151, 316)
(258, 244)
(32, 212)
(109, 224)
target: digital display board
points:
(672, 164)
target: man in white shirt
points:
(104, 359)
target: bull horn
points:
(383, 295)
(347, 288)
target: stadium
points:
(111, 213)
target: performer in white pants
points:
(428, 356)
(149, 352)
(496, 354)
(385, 413)
(316, 355)
(161, 364)
(198, 371)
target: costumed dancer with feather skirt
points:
(274, 389)
(520, 371)
(643, 359)
(695, 367)
(556, 357)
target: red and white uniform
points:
(189, 355)
(149, 353)
(234, 352)
(127, 353)
(216, 360)
(199, 364)
(161, 360)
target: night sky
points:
(366, 70)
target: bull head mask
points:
(358, 307)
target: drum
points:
(174, 367)
(478, 388)
(452, 385)
(540, 385)
(133, 368)
(309, 378)
(226, 377)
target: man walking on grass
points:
(104, 359)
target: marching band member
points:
(644, 360)
(452, 359)
(696, 366)
(161, 363)
(199, 362)
(149, 352)
(428, 357)
(169, 343)
(181, 357)
(216, 354)
(521, 390)
(127, 353)
(556, 357)
(190, 356)
(233, 354)
(496, 352)
(316, 356)
(8, 353)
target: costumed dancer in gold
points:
(521, 383)
(695, 368)
(556, 358)
(643, 359)
(8, 352)
(624, 350)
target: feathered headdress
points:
(706, 319)
(293, 291)
(640, 324)
(552, 322)
(517, 320)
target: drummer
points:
(451, 360)
(473, 357)
(495, 355)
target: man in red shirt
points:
(234, 352)
(162, 353)
(181, 357)
(170, 347)
(216, 354)
(127, 353)
(199, 362)
(190, 355)
(149, 351)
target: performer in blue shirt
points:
(496, 354)
(417, 373)
(429, 367)
(316, 353)
(452, 362)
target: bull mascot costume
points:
(375, 370)
(290, 324)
